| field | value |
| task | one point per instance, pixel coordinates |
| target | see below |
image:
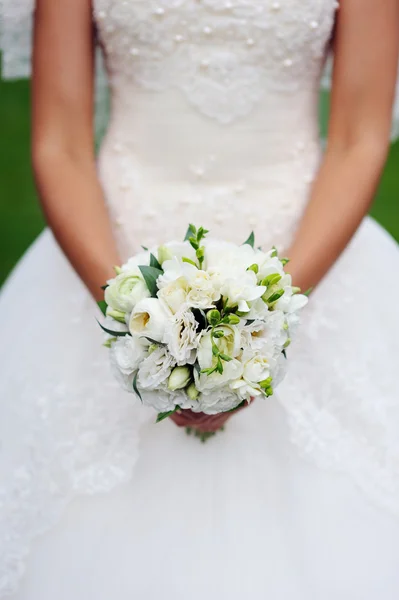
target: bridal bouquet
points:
(201, 324)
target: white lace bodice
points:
(214, 113)
(223, 55)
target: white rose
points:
(148, 319)
(155, 369)
(181, 336)
(174, 294)
(125, 290)
(242, 290)
(126, 355)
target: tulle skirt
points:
(297, 499)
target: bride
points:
(213, 121)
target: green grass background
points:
(20, 216)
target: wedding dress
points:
(213, 121)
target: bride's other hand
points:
(365, 47)
(202, 422)
(63, 139)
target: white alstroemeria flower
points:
(149, 319)
(220, 400)
(125, 290)
(174, 294)
(126, 356)
(242, 290)
(155, 369)
(181, 336)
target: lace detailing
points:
(223, 55)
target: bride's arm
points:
(62, 138)
(366, 50)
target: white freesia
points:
(268, 264)
(242, 290)
(229, 345)
(149, 319)
(182, 337)
(256, 369)
(175, 250)
(226, 259)
(140, 259)
(155, 369)
(125, 290)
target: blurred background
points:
(20, 216)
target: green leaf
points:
(189, 261)
(251, 240)
(145, 248)
(225, 357)
(135, 388)
(104, 287)
(284, 353)
(154, 341)
(237, 407)
(165, 415)
(102, 305)
(308, 292)
(154, 263)
(151, 275)
(113, 333)
(190, 231)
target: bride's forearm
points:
(340, 198)
(73, 203)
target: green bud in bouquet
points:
(213, 317)
(266, 383)
(179, 378)
(164, 254)
(116, 314)
(254, 268)
(287, 343)
(296, 290)
(233, 319)
(271, 279)
(117, 270)
(192, 392)
(274, 297)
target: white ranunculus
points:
(149, 319)
(155, 369)
(126, 355)
(125, 290)
(181, 336)
(174, 294)
(218, 401)
(242, 290)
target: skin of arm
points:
(63, 139)
(366, 46)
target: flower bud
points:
(271, 279)
(164, 253)
(296, 290)
(274, 297)
(116, 314)
(179, 378)
(213, 317)
(192, 392)
(117, 270)
(266, 383)
(200, 253)
(287, 343)
(254, 268)
(233, 319)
